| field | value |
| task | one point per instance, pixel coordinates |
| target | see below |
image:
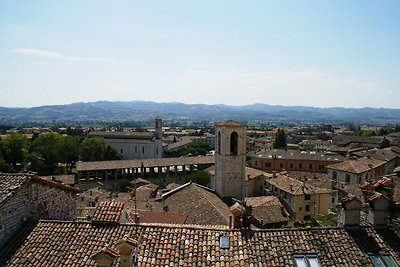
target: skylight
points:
(224, 242)
(382, 260)
(306, 261)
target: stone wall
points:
(35, 200)
(13, 214)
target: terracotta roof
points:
(281, 154)
(229, 123)
(10, 184)
(346, 139)
(294, 187)
(147, 216)
(56, 244)
(357, 166)
(137, 163)
(268, 209)
(108, 212)
(253, 173)
(122, 135)
(199, 203)
(386, 154)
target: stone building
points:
(135, 145)
(230, 160)
(294, 160)
(25, 197)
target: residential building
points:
(304, 202)
(267, 212)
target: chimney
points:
(378, 209)
(349, 212)
(105, 257)
(127, 247)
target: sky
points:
(311, 53)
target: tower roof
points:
(230, 123)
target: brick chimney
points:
(349, 212)
(127, 247)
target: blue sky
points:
(314, 53)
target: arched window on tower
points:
(234, 143)
(219, 142)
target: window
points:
(135, 149)
(219, 143)
(310, 166)
(307, 217)
(382, 259)
(122, 151)
(334, 175)
(255, 163)
(143, 150)
(291, 165)
(157, 151)
(268, 165)
(300, 165)
(306, 261)
(234, 143)
(281, 165)
(307, 207)
(307, 197)
(347, 178)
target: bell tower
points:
(230, 156)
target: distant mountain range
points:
(106, 111)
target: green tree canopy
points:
(280, 139)
(199, 177)
(14, 148)
(69, 149)
(94, 149)
(45, 153)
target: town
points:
(79, 185)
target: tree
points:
(69, 149)
(15, 149)
(280, 139)
(196, 149)
(45, 153)
(199, 177)
(96, 149)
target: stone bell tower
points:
(230, 159)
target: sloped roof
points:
(10, 184)
(157, 217)
(108, 212)
(55, 244)
(282, 154)
(357, 166)
(268, 208)
(199, 203)
(294, 187)
(122, 135)
(137, 163)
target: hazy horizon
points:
(290, 53)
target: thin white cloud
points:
(53, 55)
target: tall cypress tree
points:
(280, 139)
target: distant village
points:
(226, 194)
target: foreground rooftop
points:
(57, 243)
